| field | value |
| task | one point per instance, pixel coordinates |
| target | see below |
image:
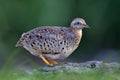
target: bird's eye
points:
(77, 23)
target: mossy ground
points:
(80, 74)
(62, 73)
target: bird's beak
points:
(85, 26)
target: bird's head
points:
(79, 23)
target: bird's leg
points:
(48, 61)
(51, 61)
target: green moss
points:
(38, 74)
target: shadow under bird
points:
(53, 42)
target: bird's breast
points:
(78, 36)
(79, 33)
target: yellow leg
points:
(48, 61)
(51, 61)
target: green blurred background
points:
(100, 42)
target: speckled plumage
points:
(53, 42)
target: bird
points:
(51, 43)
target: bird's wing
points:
(48, 38)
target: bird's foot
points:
(51, 62)
(48, 61)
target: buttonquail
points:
(53, 42)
